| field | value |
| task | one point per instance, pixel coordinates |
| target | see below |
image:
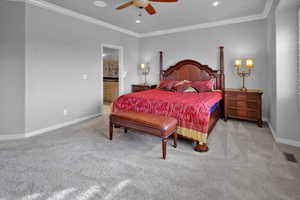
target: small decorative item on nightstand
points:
(139, 88)
(243, 73)
(245, 105)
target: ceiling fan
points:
(144, 4)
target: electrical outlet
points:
(65, 112)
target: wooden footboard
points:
(214, 117)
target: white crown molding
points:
(263, 15)
(70, 13)
(50, 6)
(203, 25)
(46, 130)
(268, 8)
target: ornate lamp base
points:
(243, 89)
(145, 74)
(244, 75)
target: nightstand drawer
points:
(247, 114)
(246, 105)
(242, 104)
(243, 97)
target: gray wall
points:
(288, 118)
(271, 71)
(59, 50)
(240, 41)
(12, 67)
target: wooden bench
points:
(148, 123)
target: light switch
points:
(124, 74)
(84, 77)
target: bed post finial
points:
(161, 65)
(222, 76)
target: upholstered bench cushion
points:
(148, 123)
(165, 125)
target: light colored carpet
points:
(80, 163)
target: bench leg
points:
(125, 130)
(164, 147)
(111, 128)
(175, 139)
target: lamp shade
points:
(238, 62)
(142, 66)
(249, 63)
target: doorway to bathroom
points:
(111, 68)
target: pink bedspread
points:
(190, 109)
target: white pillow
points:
(190, 89)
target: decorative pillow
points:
(190, 89)
(167, 84)
(203, 86)
(181, 86)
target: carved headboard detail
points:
(194, 71)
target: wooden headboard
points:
(194, 71)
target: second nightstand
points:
(245, 105)
(139, 88)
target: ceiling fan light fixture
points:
(101, 4)
(144, 4)
(216, 3)
(140, 3)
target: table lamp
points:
(244, 70)
(145, 71)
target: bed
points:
(197, 113)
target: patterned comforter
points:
(192, 110)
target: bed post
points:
(222, 76)
(222, 80)
(204, 147)
(160, 65)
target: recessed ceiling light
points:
(216, 3)
(101, 4)
(138, 21)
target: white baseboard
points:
(288, 142)
(45, 130)
(12, 137)
(58, 126)
(271, 128)
(283, 140)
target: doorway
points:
(111, 73)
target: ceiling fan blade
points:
(166, 1)
(150, 9)
(125, 5)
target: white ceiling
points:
(169, 15)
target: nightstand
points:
(139, 88)
(245, 105)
